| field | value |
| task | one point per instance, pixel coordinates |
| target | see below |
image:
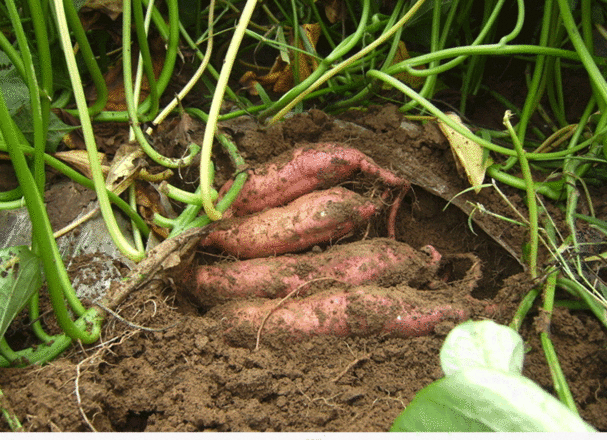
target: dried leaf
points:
(467, 154)
(401, 55)
(112, 8)
(79, 159)
(124, 168)
(334, 10)
(149, 202)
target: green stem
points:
(46, 352)
(523, 308)
(46, 80)
(571, 304)
(11, 195)
(427, 89)
(552, 190)
(34, 91)
(596, 77)
(485, 49)
(56, 276)
(531, 202)
(341, 66)
(15, 204)
(538, 82)
(576, 289)
(132, 105)
(136, 233)
(172, 44)
(12, 54)
(187, 218)
(88, 57)
(341, 50)
(558, 378)
(34, 313)
(209, 133)
(9, 415)
(144, 51)
(184, 196)
(196, 77)
(89, 140)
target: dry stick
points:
(77, 222)
(153, 263)
(283, 300)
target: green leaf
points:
(20, 277)
(57, 129)
(14, 90)
(480, 399)
(482, 344)
(17, 99)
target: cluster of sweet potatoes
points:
(290, 205)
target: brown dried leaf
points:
(125, 167)
(401, 55)
(79, 159)
(148, 201)
(334, 10)
(112, 8)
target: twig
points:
(73, 225)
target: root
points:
(95, 356)
(350, 366)
(136, 326)
(293, 292)
(394, 210)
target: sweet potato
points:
(378, 260)
(318, 217)
(362, 311)
(301, 171)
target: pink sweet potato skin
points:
(353, 264)
(301, 171)
(314, 218)
(359, 312)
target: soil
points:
(180, 374)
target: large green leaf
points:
(480, 399)
(20, 277)
(482, 344)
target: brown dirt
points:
(184, 377)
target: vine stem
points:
(209, 133)
(194, 80)
(341, 66)
(558, 378)
(530, 189)
(89, 139)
